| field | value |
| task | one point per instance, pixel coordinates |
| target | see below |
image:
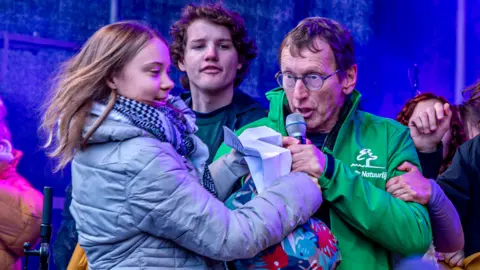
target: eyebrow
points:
(154, 63)
(306, 71)
(218, 40)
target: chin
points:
(214, 87)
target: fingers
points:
(416, 125)
(402, 191)
(406, 197)
(393, 181)
(448, 110)
(395, 187)
(456, 260)
(448, 256)
(289, 141)
(425, 125)
(432, 118)
(308, 149)
(406, 167)
(439, 110)
(311, 167)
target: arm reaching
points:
(172, 204)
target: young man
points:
(352, 154)
(210, 45)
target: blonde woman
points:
(142, 196)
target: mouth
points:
(306, 113)
(211, 70)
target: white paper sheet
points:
(266, 158)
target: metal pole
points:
(114, 8)
(460, 52)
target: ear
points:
(350, 79)
(181, 65)
(111, 83)
(239, 66)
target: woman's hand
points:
(411, 186)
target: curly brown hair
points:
(217, 14)
(458, 134)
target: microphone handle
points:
(46, 226)
(301, 139)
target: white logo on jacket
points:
(367, 156)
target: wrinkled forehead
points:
(316, 55)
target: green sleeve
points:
(401, 227)
(224, 149)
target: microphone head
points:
(295, 125)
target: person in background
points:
(460, 181)
(469, 110)
(211, 46)
(20, 203)
(434, 157)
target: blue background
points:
(390, 37)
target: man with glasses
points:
(352, 153)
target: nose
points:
(300, 92)
(211, 53)
(166, 83)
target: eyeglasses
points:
(313, 81)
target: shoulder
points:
(375, 121)
(243, 103)
(131, 155)
(470, 151)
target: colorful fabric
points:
(310, 246)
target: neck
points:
(331, 120)
(206, 102)
(330, 123)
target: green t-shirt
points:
(210, 129)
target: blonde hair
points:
(83, 80)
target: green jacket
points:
(365, 150)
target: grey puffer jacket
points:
(139, 205)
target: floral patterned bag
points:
(309, 246)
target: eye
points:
(154, 72)
(225, 46)
(198, 46)
(313, 77)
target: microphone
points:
(46, 227)
(296, 127)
